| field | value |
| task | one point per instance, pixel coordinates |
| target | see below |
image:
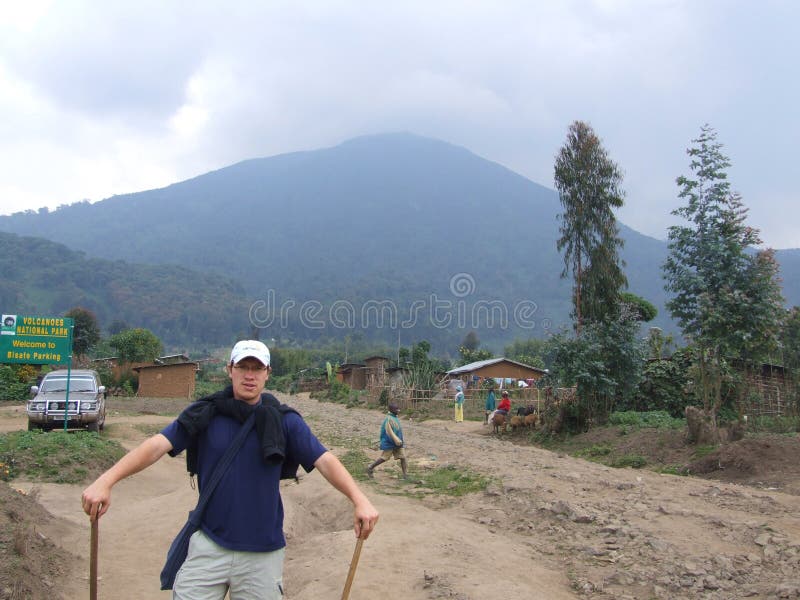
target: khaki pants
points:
(209, 567)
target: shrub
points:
(659, 419)
(12, 387)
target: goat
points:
(516, 421)
(530, 420)
(498, 421)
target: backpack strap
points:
(222, 466)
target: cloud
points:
(114, 97)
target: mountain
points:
(345, 239)
(183, 306)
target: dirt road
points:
(549, 527)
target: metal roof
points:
(474, 366)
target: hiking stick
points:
(93, 561)
(352, 573)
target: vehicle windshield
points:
(60, 385)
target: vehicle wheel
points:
(32, 426)
(93, 427)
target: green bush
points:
(12, 386)
(280, 383)
(774, 424)
(340, 393)
(659, 419)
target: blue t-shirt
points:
(245, 512)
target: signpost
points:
(34, 340)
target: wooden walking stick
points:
(352, 573)
(93, 560)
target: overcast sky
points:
(108, 97)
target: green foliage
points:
(280, 383)
(642, 310)
(183, 306)
(355, 460)
(658, 419)
(726, 299)
(533, 351)
(633, 461)
(594, 451)
(701, 451)
(290, 361)
(605, 364)
(340, 393)
(790, 339)
(57, 456)
(679, 470)
(453, 481)
(470, 356)
(422, 372)
(136, 345)
(774, 424)
(664, 385)
(86, 332)
(15, 382)
(658, 344)
(205, 388)
(589, 186)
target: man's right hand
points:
(96, 500)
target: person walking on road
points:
(240, 545)
(391, 442)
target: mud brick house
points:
(169, 380)
(371, 374)
(353, 375)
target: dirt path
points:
(550, 526)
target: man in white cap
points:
(239, 547)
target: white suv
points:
(87, 401)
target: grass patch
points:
(673, 470)
(657, 419)
(633, 461)
(451, 481)
(701, 451)
(56, 457)
(356, 461)
(594, 452)
(774, 424)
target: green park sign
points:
(35, 340)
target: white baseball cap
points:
(252, 348)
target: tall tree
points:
(725, 297)
(136, 345)
(86, 333)
(589, 186)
